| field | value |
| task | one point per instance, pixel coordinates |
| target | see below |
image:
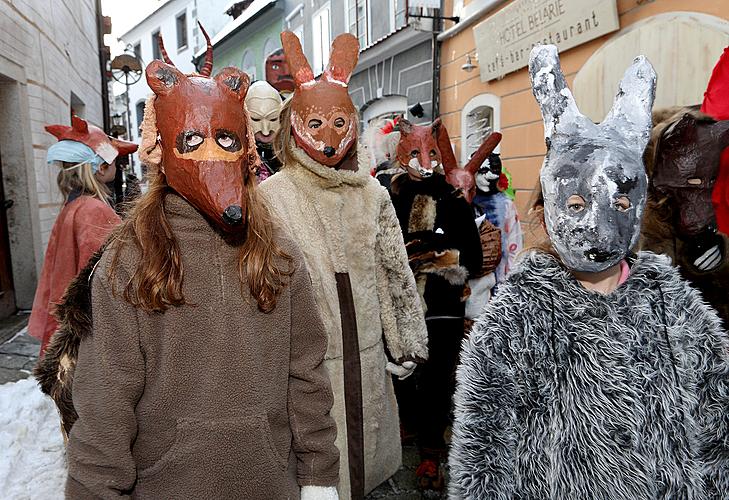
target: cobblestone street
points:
(18, 350)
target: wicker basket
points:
(491, 246)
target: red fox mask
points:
(417, 151)
(323, 117)
(207, 150)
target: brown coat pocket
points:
(224, 458)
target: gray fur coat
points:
(565, 393)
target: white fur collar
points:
(328, 176)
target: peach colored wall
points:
(522, 147)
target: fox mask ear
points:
(343, 58)
(298, 65)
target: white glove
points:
(709, 260)
(402, 371)
(319, 493)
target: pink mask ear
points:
(483, 152)
(298, 65)
(345, 52)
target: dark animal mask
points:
(593, 178)
(686, 166)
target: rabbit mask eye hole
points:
(576, 203)
(622, 204)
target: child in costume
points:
(263, 103)
(444, 249)
(594, 373)
(346, 226)
(492, 202)
(683, 162)
(86, 157)
(193, 343)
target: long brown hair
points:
(156, 283)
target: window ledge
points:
(181, 49)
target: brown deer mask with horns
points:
(208, 151)
(323, 117)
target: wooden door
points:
(7, 291)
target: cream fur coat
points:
(344, 222)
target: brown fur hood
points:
(55, 370)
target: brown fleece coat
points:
(212, 399)
(345, 223)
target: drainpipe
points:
(435, 54)
(102, 66)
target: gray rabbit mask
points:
(593, 179)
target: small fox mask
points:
(323, 117)
(417, 151)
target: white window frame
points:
(367, 19)
(181, 48)
(321, 57)
(248, 54)
(490, 100)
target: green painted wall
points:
(251, 38)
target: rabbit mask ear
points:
(298, 65)
(559, 110)
(343, 59)
(630, 116)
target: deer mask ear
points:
(343, 59)
(162, 77)
(298, 65)
(234, 79)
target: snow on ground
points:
(32, 454)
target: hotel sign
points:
(505, 39)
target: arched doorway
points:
(682, 46)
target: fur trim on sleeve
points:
(403, 320)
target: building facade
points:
(252, 33)
(598, 39)
(176, 21)
(395, 71)
(49, 68)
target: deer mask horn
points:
(162, 50)
(207, 68)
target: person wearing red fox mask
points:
(346, 225)
(87, 160)
(198, 372)
(444, 249)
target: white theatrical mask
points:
(263, 103)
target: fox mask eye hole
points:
(227, 140)
(414, 153)
(433, 153)
(339, 122)
(315, 124)
(255, 119)
(576, 203)
(622, 204)
(193, 140)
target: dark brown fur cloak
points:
(55, 370)
(659, 233)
